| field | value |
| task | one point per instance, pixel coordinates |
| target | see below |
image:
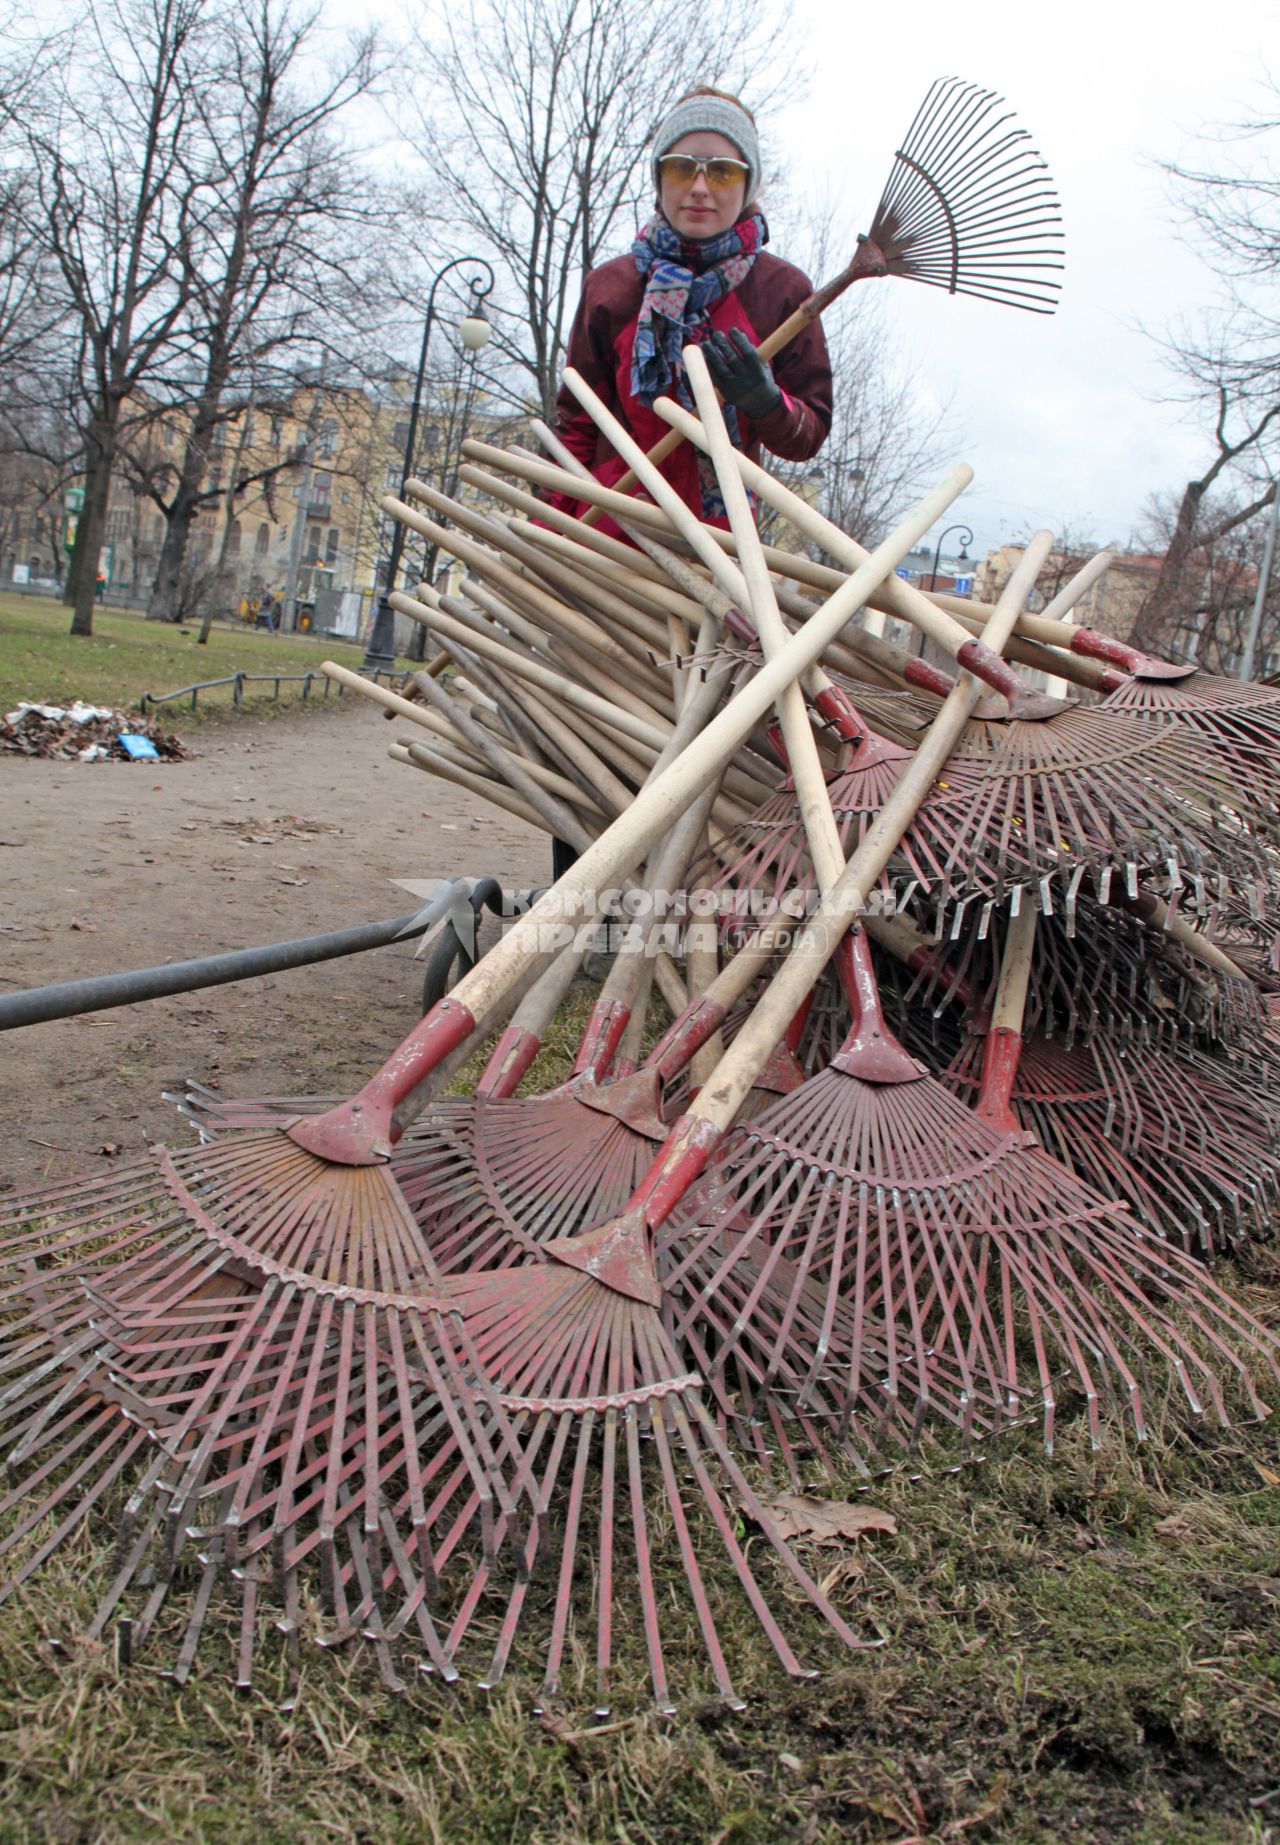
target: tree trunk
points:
(166, 592)
(79, 551)
(1162, 609)
(93, 525)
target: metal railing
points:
(238, 681)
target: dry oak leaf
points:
(827, 1521)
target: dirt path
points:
(277, 828)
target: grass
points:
(1058, 1669)
(1081, 1649)
(127, 656)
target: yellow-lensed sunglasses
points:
(721, 172)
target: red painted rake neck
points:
(362, 1131)
(870, 1052)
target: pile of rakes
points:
(934, 1061)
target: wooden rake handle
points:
(973, 655)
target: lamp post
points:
(937, 553)
(474, 331)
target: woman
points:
(698, 271)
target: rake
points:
(292, 1414)
(1237, 724)
(1097, 970)
(968, 207)
(1180, 1142)
(588, 1314)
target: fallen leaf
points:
(827, 1521)
(1177, 1529)
(1270, 1478)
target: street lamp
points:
(474, 330)
(937, 554)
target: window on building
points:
(277, 431)
(328, 436)
(400, 434)
(263, 539)
(315, 537)
(392, 482)
(345, 497)
(331, 545)
(233, 539)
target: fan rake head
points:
(1235, 721)
(1180, 1143)
(261, 1413)
(969, 205)
(1098, 792)
(606, 1409)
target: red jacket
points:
(600, 346)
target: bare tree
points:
(535, 136)
(271, 267)
(1228, 366)
(109, 152)
(1218, 581)
(886, 441)
(1200, 522)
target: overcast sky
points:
(1059, 416)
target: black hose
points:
(36, 1005)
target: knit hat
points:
(710, 115)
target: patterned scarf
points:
(683, 281)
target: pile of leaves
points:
(82, 733)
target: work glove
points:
(741, 376)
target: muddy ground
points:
(277, 827)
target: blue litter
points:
(140, 749)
